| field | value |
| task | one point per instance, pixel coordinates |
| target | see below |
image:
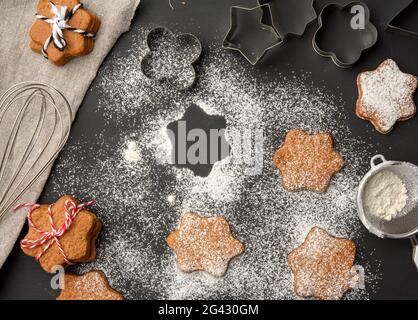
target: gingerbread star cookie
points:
(204, 244)
(307, 161)
(70, 238)
(90, 286)
(323, 266)
(64, 29)
(386, 95)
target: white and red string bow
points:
(71, 210)
(59, 23)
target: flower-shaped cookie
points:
(386, 95)
(90, 286)
(323, 266)
(171, 58)
(343, 35)
(63, 30)
(307, 161)
(70, 239)
(290, 16)
(204, 244)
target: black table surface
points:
(21, 278)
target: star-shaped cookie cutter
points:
(242, 37)
(290, 17)
(391, 26)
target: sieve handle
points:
(376, 160)
(414, 242)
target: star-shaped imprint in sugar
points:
(249, 35)
(204, 244)
(290, 17)
(198, 141)
(323, 266)
(307, 161)
(386, 95)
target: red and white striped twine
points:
(71, 210)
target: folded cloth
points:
(18, 64)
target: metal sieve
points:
(405, 226)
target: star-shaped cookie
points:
(90, 286)
(323, 266)
(204, 244)
(386, 96)
(307, 161)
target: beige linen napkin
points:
(18, 63)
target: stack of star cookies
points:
(76, 245)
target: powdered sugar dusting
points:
(270, 222)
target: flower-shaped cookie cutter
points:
(344, 43)
(290, 17)
(249, 35)
(171, 58)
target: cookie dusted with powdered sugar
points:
(307, 161)
(204, 244)
(323, 266)
(386, 96)
(90, 286)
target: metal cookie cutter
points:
(336, 39)
(391, 26)
(171, 58)
(249, 35)
(290, 17)
(405, 226)
(35, 123)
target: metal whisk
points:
(35, 123)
